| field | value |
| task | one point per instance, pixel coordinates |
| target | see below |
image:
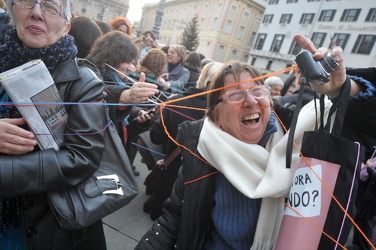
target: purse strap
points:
(171, 157)
(339, 106)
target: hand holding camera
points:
(319, 67)
(316, 71)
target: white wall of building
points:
(278, 60)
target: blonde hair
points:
(181, 50)
(2, 4)
(207, 73)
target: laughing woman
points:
(27, 172)
(225, 194)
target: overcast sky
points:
(135, 9)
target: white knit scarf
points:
(256, 171)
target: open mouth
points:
(251, 119)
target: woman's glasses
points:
(48, 7)
(238, 96)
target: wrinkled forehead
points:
(244, 80)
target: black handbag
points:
(340, 161)
(155, 176)
(110, 188)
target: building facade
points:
(350, 24)
(227, 28)
(101, 9)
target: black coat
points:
(30, 176)
(172, 117)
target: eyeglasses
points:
(48, 7)
(238, 96)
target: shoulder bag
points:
(110, 188)
(329, 166)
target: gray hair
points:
(67, 5)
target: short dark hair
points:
(113, 48)
(146, 32)
(85, 31)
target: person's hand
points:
(144, 116)
(337, 77)
(13, 139)
(172, 96)
(139, 92)
(164, 76)
(162, 80)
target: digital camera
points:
(316, 71)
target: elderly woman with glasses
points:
(27, 172)
(233, 166)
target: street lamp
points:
(158, 18)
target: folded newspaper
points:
(35, 95)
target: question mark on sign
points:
(315, 193)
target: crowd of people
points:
(213, 195)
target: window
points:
(240, 32)
(271, 2)
(83, 10)
(246, 14)
(208, 44)
(234, 52)
(364, 44)
(253, 60)
(318, 39)
(285, 18)
(291, 1)
(307, 18)
(339, 39)
(269, 65)
(252, 37)
(294, 48)
(277, 43)
(350, 15)
(327, 15)
(221, 47)
(228, 27)
(215, 23)
(371, 16)
(246, 57)
(267, 19)
(233, 8)
(260, 41)
(202, 23)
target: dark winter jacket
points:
(4, 26)
(78, 158)
(188, 226)
(172, 117)
(194, 74)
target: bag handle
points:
(298, 106)
(171, 157)
(339, 106)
